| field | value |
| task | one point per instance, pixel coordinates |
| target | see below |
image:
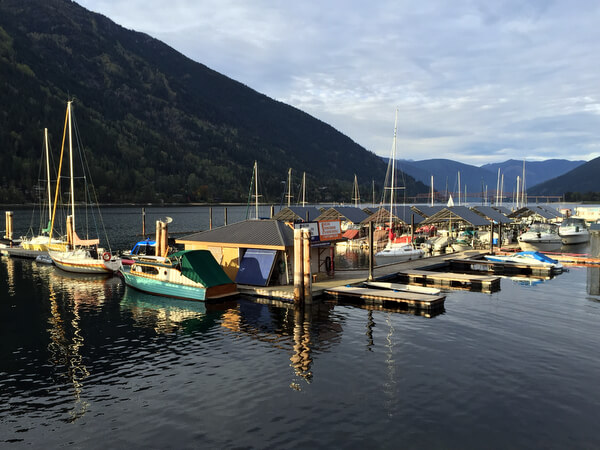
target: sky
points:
(474, 81)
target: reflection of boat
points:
(541, 237)
(573, 230)
(83, 255)
(530, 258)
(189, 275)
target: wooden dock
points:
(22, 253)
(410, 299)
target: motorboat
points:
(540, 237)
(188, 275)
(531, 258)
(397, 253)
(574, 230)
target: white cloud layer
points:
(475, 81)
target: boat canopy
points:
(200, 266)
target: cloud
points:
(475, 81)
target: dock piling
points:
(298, 277)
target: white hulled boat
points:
(541, 237)
(574, 230)
(81, 255)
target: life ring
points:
(328, 264)
(106, 256)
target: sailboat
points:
(81, 255)
(395, 251)
(40, 242)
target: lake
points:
(87, 363)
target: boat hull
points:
(575, 238)
(541, 246)
(164, 288)
(72, 262)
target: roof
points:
(350, 234)
(297, 213)
(255, 233)
(401, 214)
(549, 210)
(503, 209)
(457, 214)
(528, 211)
(491, 214)
(346, 213)
(427, 211)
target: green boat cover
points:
(200, 266)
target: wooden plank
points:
(412, 299)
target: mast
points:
(303, 188)
(71, 165)
(48, 175)
(498, 187)
(289, 194)
(518, 191)
(256, 188)
(502, 188)
(524, 196)
(431, 190)
(459, 188)
(356, 193)
(393, 172)
(373, 183)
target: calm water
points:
(85, 362)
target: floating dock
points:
(410, 299)
(22, 253)
(450, 280)
(502, 267)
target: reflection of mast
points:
(67, 354)
(301, 360)
(370, 326)
(389, 387)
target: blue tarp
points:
(255, 267)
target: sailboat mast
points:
(48, 175)
(431, 190)
(393, 171)
(71, 165)
(498, 187)
(518, 191)
(289, 194)
(303, 188)
(256, 188)
(523, 201)
(459, 188)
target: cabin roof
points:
(503, 209)
(457, 214)
(345, 213)
(297, 213)
(491, 214)
(255, 233)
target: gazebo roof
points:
(401, 214)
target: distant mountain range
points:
(477, 179)
(156, 125)
(583, 179)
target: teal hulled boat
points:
(189, 275)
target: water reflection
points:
(167, 315)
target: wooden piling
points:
(491, 238)
(210, 218)
(272, 211)
(225, 215)
(306, 272)
(298, 277)
(157, 239)
(9, 225)
(143, 222)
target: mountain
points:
(445, 175)
(156, 125)
(536, 172)
(583, 180)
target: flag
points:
(450, 201)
